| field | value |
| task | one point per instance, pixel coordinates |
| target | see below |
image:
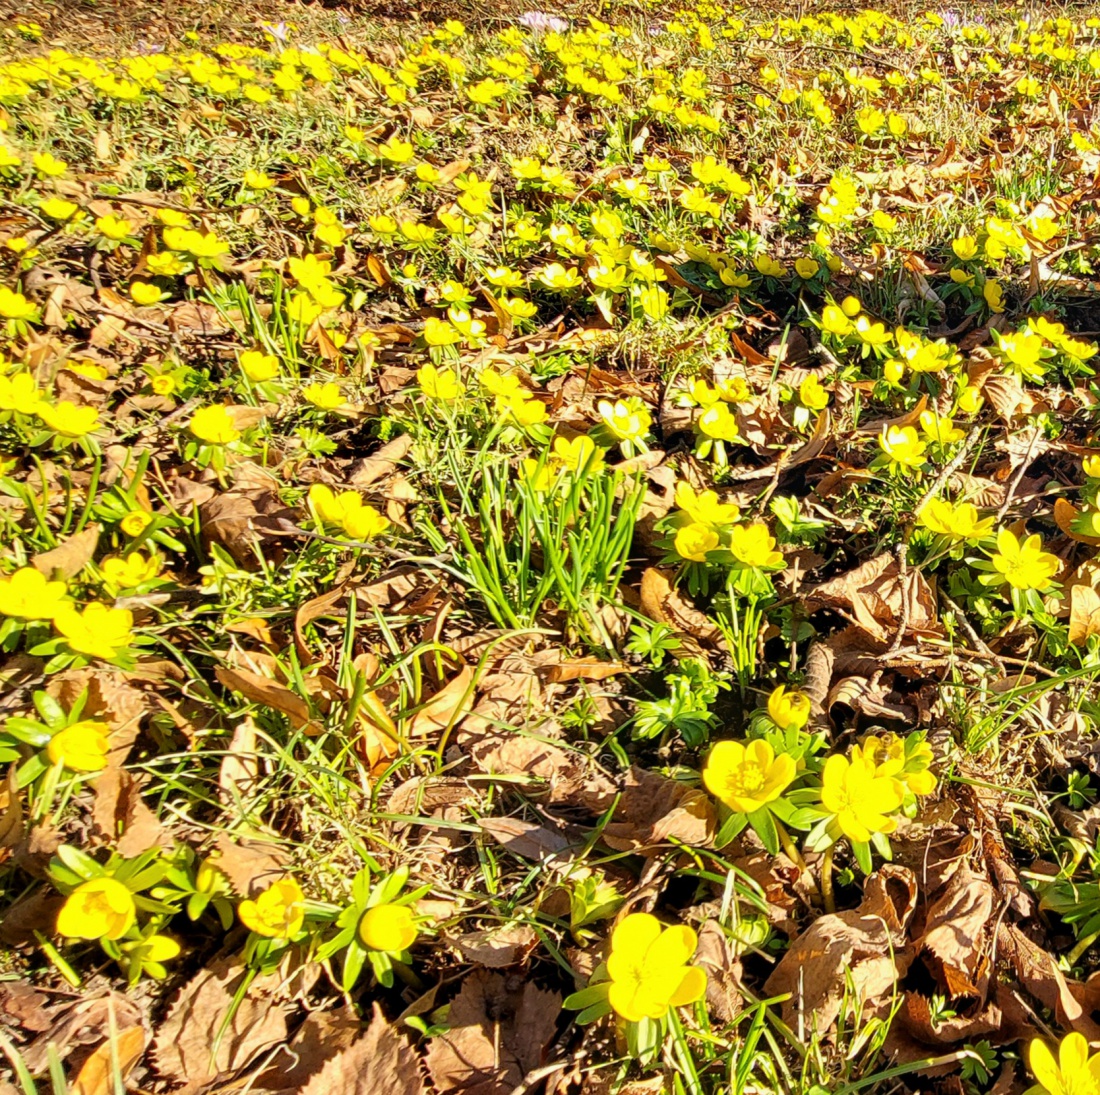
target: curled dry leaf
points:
(865, 946)
(653, 809)
(97, 1074)
(526, 839)
(121, 817)
(381, 1062)
(87, 1022)
(184, 1048)
(265, 691)
(956, 943)
(498, 947)
(498, 1033)
(321, 1037)
(447, 706)
(660, 602)
(70, 557)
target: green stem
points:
(1081, 946)
(793, 854)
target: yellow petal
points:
(692, 987)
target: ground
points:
(549, 551)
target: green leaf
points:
(585, 998)
(731, 827)
(861, 849)
(763, 824)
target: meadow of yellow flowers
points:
(550, 552)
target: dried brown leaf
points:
(97, 1074)
(525, 838)
(652, 809)
(955, 943)
(379, 1063)
(70, 557)
(865, 946)
(249, 865)
(184, 1045)
(87, 1022)
(263, 690)
(498, 947)
(497, 1035)
(120, 816)
(447, 706)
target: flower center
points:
(750, 777)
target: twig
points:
(968, 627)
(1018, 478)
(949, 469)
(401, 556)
(903, 581)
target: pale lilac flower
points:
(541, 20)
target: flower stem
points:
(827, 879)
(793, 854)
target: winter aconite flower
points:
(788, 710)
(694, 541)
(29, 595)
(754, 546)
(440, 384)
(69, 419)
(258, 366)
(388, 928)
(901, 447)
(214, 425)
(859, 797)
(1074, 1073)
(276, 913)
(98, 631)
(747, 776)
(102, 908)
(960, 522)
(1024, 565)
(648, 968)
(81, 747)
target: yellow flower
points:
(1024, 565)
(859, 797)
(806, 267)
(82, 747)
(258, 366)
(1074, 1073)
(57, 209)
(68, 419)
(14, 305)
(214, 425)
(441, 384)
(835, 321)
(389, 928)
(626, 422)
(277, 913)
(747, 776)
(901, 446)
(145, 293)
(965, 247)
(1090, 465)
(20, 394)
(326, 397)
(693, 542)
(754, 546)
(438, 332)
(28, 595)
(812, 394)
(718, 423)
(102, 908)
(332, 508)
(648, 968)
(704, 508)
(136, 522)
(98, 632)
(48, 165)
(114, 228)
(580, 454)
(994, 295)
(365, 522)
(893, 756)
(788, 710)
(940, 428)
(960, 521)
(525, 411)
(129, 572)
(258, 180)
